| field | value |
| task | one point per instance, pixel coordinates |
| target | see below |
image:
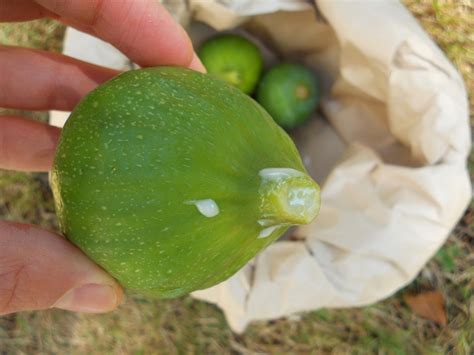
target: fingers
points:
(21, 10)
(38, 80)
(197, 65)
(142, 29)
(27, 145)
(40, 270)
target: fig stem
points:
(288, 197)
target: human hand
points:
(39, 269)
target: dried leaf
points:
(429, 305)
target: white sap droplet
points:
(264, 233)
(279, 173)
(207, 207)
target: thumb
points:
(39, 270)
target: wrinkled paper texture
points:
(390, 155)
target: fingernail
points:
(197, 65)
(90, 298)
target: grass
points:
(450, 23)
(149, 326)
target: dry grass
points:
(451, 23)
(148, 326)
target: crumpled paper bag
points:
(391, 156)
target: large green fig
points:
(172, 180)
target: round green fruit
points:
(172, 180)
(234, 59)
(290, 93)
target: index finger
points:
(142, 29)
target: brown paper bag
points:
(398, 110)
